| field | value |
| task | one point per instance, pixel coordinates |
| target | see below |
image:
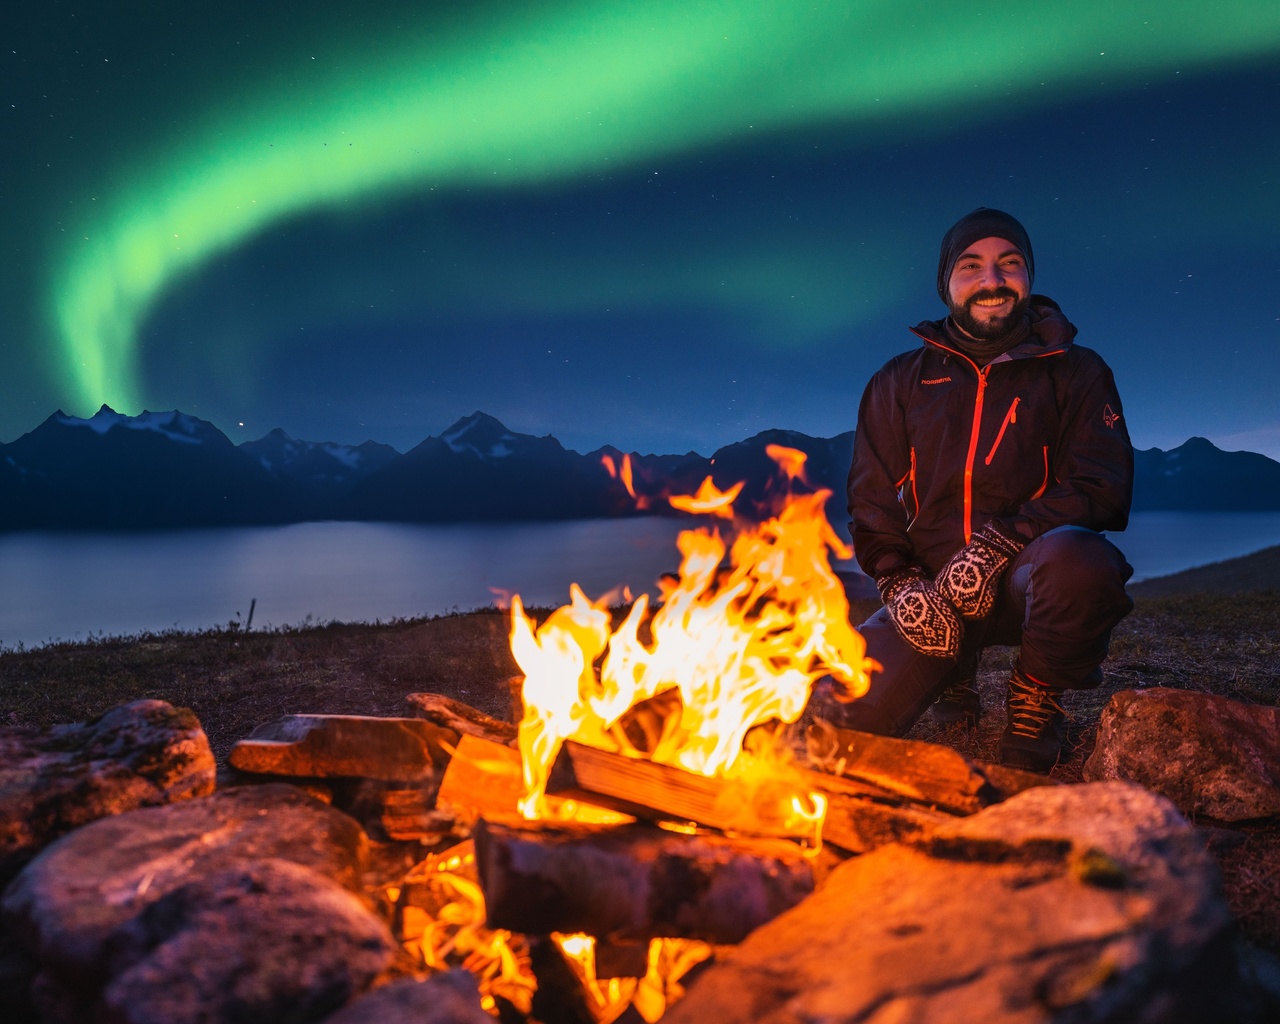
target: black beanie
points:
(972, 227)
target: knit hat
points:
(972, 227)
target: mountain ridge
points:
(171, 469)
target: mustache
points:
(992, 293)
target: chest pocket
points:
(1010, 418)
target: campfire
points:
(678, 715)
(654, 805)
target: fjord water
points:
(71, 586)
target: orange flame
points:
(791, 460)
(453, 933)
(622, 472)
(708, 500)
(742, 644)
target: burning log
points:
(329, 746)
(460, 718)
(859, 817)
(482, 778)
(922, 773)
(630, 882)
(660, 792)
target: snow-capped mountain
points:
(318, 465)
(169, 469)
(146, 471)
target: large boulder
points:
(261, 943)
(1070, 903)
(1212, 756)
(84, 894)
(143, 754)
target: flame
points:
(453, 932)
(742, 644)
(667, 961)
(708, 500)
(791, 460)
(622, 472)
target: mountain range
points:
(168, 469)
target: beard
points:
(989, 330)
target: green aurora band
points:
(569, 89)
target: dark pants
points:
(1059, 600)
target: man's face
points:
(989, 288)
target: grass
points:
(1224, 643)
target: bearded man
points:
(987, 462)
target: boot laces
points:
(1031, 709)
(960, 691)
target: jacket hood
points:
(1050, 329)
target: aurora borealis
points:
(663, 225)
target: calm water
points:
(71, 586)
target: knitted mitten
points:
(971, 577)
(922, 616)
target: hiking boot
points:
(1037, 726)
(959, 703)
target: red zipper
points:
(1043, 486)
(910, 476)
(972, 454)
(1010, 417)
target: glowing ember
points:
(742, 643)
(451, 932)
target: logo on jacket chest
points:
(934, 380)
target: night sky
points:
(661, 224)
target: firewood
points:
(459, 717)
(922, 773)
(621, 959)
(410, 814)
(659, 792)
(483, 778)
(633, 882)
(561, 995)
(352, 746)
(859, 825)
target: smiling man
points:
(987, 462)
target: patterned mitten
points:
(922, 616)
(970, 578)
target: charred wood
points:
(659, 792)
(914, 771)
(634, 882)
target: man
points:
(986, 464)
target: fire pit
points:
(652, 819)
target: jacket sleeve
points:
(1092, 465)
(881, 468)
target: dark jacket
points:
(1036, 438)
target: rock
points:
(1066, 903)
(1212, 756)
(357, 746)
(449, 998)
(143, 754)
(256, 943)
(66, 907)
